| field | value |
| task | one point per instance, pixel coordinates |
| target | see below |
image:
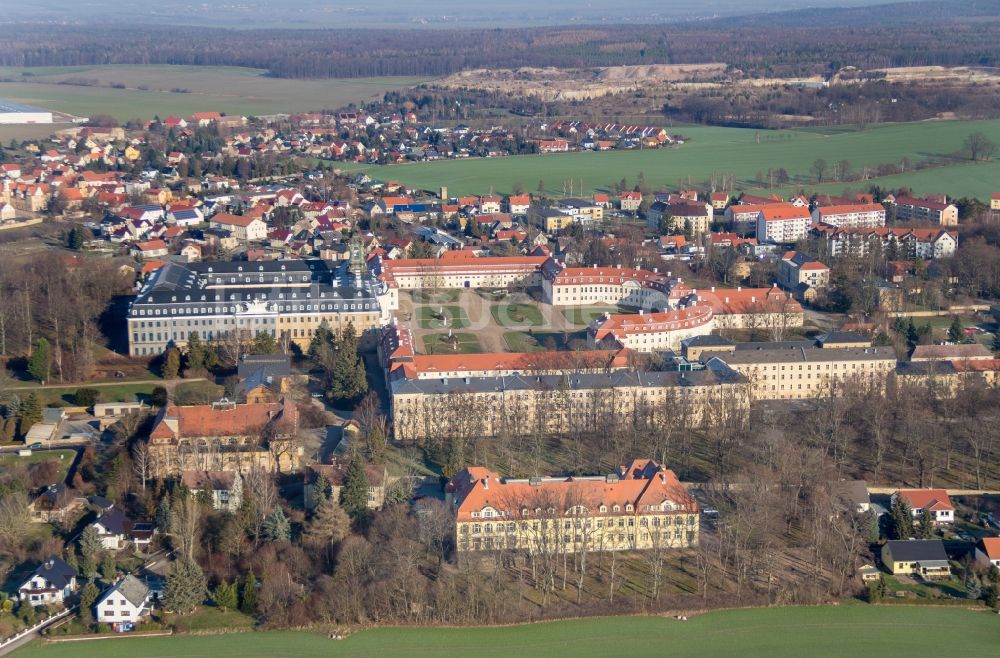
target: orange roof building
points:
(935, 501)
(640, 506)
(225, 436)
(651, 332)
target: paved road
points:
(168, 384)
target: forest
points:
(919, 34)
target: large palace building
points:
(284, 298)
(641, 506)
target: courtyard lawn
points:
(846, 630)
(442, 317)
(584, 315)
(737, 151)
(435, 296)
(458, 343)
(517, 315)
(543, 341)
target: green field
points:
(454, 316)
(224, 89)
(849, 630)
(517, 315)
(734, 151)
(460, 343)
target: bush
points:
(86, 397)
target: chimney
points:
(486, 482)
(655, 270)
(739, 288)
(713, 288)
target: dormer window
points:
(629, 508)
(604, 509)
(616, 508)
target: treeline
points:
(860, 104)
(804, 48)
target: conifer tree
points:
(354, 494)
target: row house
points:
(870, 215)
(939, 212)
(909, 243)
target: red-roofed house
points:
(518, 204)
(988, 551)
(630, 201)
(243, 227)
(150, 249)
(934, 500)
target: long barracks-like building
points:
(284, 298)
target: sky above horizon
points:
(391, 13)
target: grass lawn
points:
(583, 315)
(462, 344)
(435, 296)
(161, 90)
(63, 457)
(734, 151)
(847, 630)
(517, 315)
(115, 393)
(197, 392)
(452, 317)
(952, 587)
(209, 618)
(541, 341)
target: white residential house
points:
(52, 582)
(935, 500)
(125, 603)
(116, 531)
(242, 227)
(186, 217)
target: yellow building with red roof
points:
(641, 506)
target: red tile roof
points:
(932, 499)
(226, 219)
(214, 420)
(640, 485)
(782, 212)
(991, 546)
